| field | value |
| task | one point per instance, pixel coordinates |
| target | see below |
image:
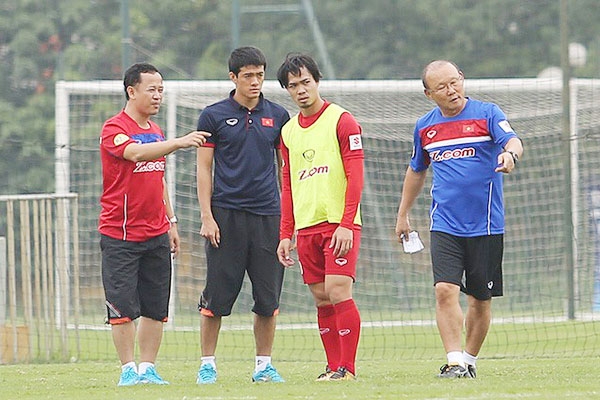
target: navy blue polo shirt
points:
(244, 141)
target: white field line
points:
(591, 317)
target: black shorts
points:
(473, 263)
(248, 243)
(136, 278)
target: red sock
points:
(348, 323)
(326, 320)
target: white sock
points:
(144, 366)
(209, 360)
(455, 357)
(129, 364)
(261, 363)
(469, 358)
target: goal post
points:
(393, 290)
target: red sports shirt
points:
(133, 207)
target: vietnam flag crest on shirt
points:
(268, 122)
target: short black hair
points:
(244, 56)
(292, 64)
(133, 75)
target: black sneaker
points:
(342, 374)
(472, 371)
(453, 371)
(325, 375)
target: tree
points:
(42, 42)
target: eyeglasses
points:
(454, 84)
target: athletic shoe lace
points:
(269, 374)
(207, 373)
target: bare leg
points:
(449, 315)
(150, 334)
(338, 288)
(209, 334)
(479, 316)
(124, 340)
(319, 295)
(264, 334)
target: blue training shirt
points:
(463, 153)
(244, 141)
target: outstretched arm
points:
(151, 151)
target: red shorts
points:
(316, 258)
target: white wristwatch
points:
(173, 219)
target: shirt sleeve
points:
(500, 128)
(284, 118)
(419, 158)
(349, 134)
(286, 227)
(206, 123)
(114, 139)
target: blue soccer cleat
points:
(206, 374)
(269, 374)
(151, 376)
(128, 377)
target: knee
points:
(321, 300)
(446, 293)
(338, 293)
(479, 306)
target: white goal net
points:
(551, 304)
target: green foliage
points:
(45, 41)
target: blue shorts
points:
(473, 263)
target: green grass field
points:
(518, 361)
(505, 341)
(572, 378)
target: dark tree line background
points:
(45, 41)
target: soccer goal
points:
(393, 290)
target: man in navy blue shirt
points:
(469, 145)
(240, 210)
